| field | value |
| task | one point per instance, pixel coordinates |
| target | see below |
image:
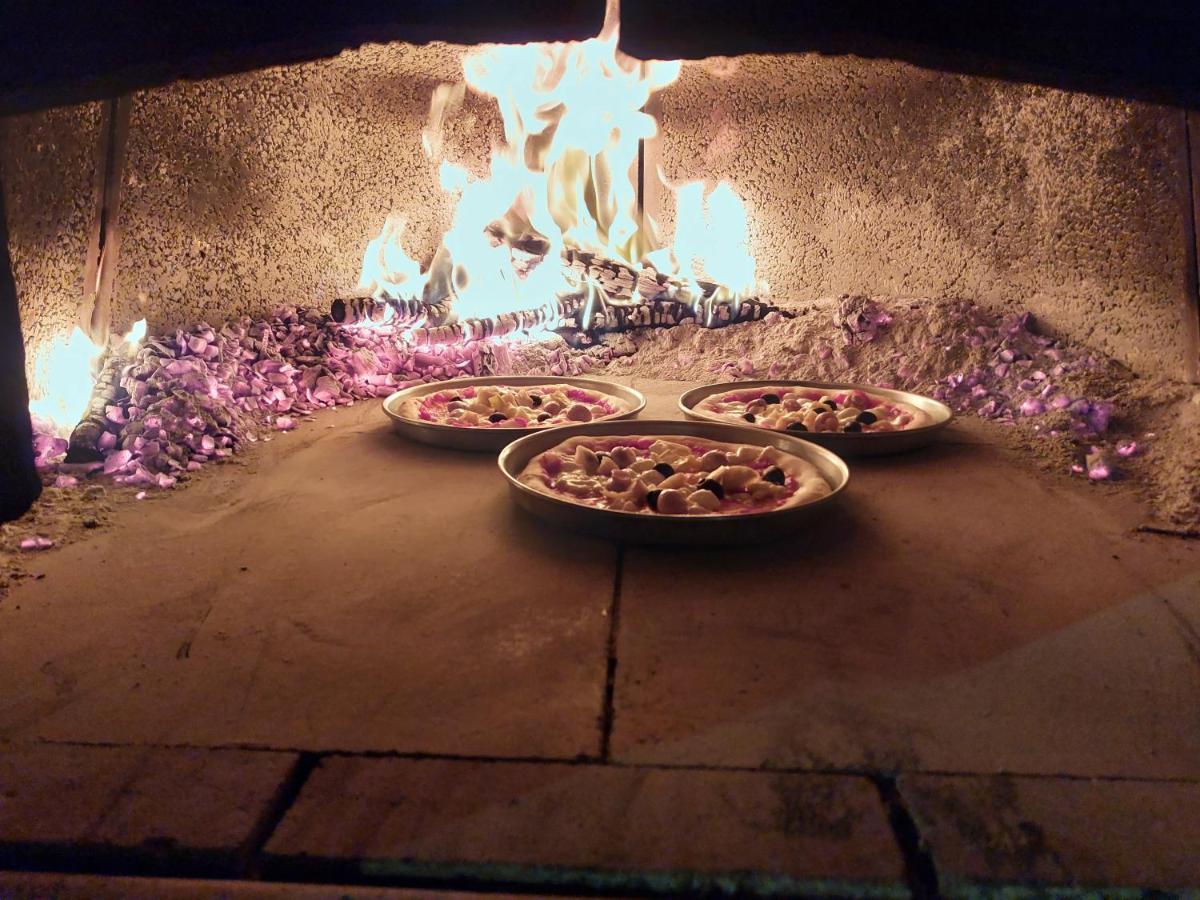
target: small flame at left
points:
(64, 374)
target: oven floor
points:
(349, 659)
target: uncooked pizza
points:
(673, 475)
(512, 406)
(799, 409)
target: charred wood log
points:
(84, 443)
(20, 483)
(360, 310)
(631, 298)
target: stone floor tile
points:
(56, 800)
(959, 612)
(1087, 833)
(353, 591)
(588, 825)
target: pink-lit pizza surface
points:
(511, 406)
(673, 475)
(796, 408)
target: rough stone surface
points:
(351, 590)
(880, 178)
(47, 170)
(959, 612)
(129, 797)
(247, 191)
(591, 818)
(39, 886)
(866, 176)
(1058, 831)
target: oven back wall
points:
(876, 177)
(249, 191)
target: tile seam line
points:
(608, 710)
(584, 760)
(287, 792)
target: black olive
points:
(535, 401)
(749, 417)
(853, 426)
(715, 486)
(797, 426)
(652, 500)
(866, 417)
(497, 417)
(455, 399)
(774, 475)
(543, 417)
(666, 470)
(830, 403)
(771, 398)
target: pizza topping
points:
(669, 476)
(676, 475)
(671, 502)
(801, 409)
(512, 406)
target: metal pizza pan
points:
(852, 444)
(648, 528)
(493, 439)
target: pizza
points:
(673, 475)
(512, 406)
(798, 409)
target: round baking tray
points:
(643, 528)
(852, 444)
(493, 439)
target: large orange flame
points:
(565, 176)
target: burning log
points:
(499, 326)
(358, 310)
(628, 299)
(84, 445)
(566, 316)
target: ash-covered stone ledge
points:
(1100, 834)
(89, 808)
(588, 827)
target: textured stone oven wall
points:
(878, 177)
(244, 192)
(47, 171)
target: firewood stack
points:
(632, 298)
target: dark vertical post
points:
(1191, 309)
(20, 483)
